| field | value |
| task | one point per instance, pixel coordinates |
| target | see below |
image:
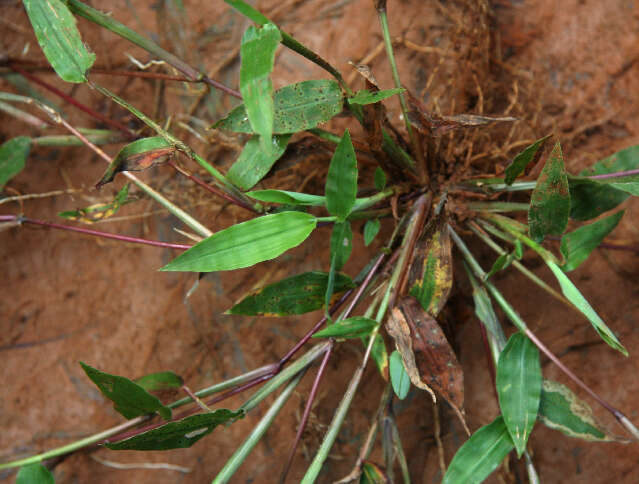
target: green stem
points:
(364, 203)
(96, 136)
(497, 206)
(240, 455)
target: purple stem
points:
(95, 233)
(614, 175)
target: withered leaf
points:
(431, 272)
(99, 211)
(138, 156)
(423, 346)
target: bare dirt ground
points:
(571, 68)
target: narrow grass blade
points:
(355, 327)
(519, 388)
(577, 245)
(341, 246)
(574, 296)
(138, 156)
(562, 410)
(371, 229)
(288, 198)
(129, 399)
(246, 244)
(480, 455)
(59, 38)
(298, 294)
(254, 162)
(523, 159)
(160, 381)
(341, 181)
(178, 435)
(398, 376)
(34, 474)
(372, 474)
(298, 107)
(13, 156)
(258, 56)
(98, 211)
(550, 200)
(364, 97)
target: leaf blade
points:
(364, 96)
(519, 388)
(246, 244)
(371, 229)
(398, 376)
(159, 381)
(355, 327)
(59, 37)
(13, 156)
(523, 159)
(254, 163)
(34, 474)
(341, 181)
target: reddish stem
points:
(95, 233)
(614, 175)
(70, 100)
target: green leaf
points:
(254, 163)
(138, 156)
(258, 56)
(589, 199)
(550, 200)
(248, 11)
(34, 474)
(99, 211)
(380, 179)
(372, 474)
(178, 435)
(246, 244)
(574, 296)
(577, 245)
(371, 229)
(480, 455)
(523, 159)
(398, 376)
(341, 181)
(13, 155)
(562, 410)
(291, 198)
(341, 244)
(484, 309)
(379, 354)
(294, 295)
(298, 107)
(370, 97)
(622, 161)
(355, 327)
(129, 398)
(59, 38)
(519, 388)
(163, 380)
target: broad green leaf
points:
(34, 474)
(398, 376)
(59, 38)
(626, 160)
(589, 199)
(380, 179)
(341, 181)
(341, 244)
(371, 229)
(550, 200)
(577, 245)
(163, 380)
(369, 97)
(355, 327)
(519, 388)
(372, 474)
(258, 56)
(379, 354)
(129, 398)
(254, 162)
(294, 295)
(574, 296)
(562, 410)
(137, 156)
(99, 211)
(246, 244)
(291, 198)
(431, 273)
(178, 435)
(298, 107)
(523, 159)
(13, 155)
(480, 455)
